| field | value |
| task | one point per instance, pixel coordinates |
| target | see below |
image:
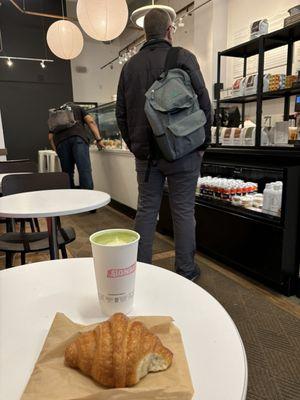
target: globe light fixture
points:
(102, 19)
(138, 16)
(9, 62)
(65, 39)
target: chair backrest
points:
(12, 184)
(7, 167)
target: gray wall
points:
(26, 90)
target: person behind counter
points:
(72, 143)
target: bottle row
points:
(241, 193)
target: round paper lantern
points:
(102, 19)
(65, 39)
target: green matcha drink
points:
(115, 255)
(114, 238)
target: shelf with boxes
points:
(256, 88)
(267, 95)
(280, 135)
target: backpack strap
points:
(171, 60)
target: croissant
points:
(118, 352)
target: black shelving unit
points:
(282, 37)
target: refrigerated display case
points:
(105, 118)
(262, 245)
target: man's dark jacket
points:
(137, 76)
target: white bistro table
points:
(31, 295)
(50, 204)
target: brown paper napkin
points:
(52, 380)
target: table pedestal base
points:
(52, 232)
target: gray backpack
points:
(61, 118)
(173, 111)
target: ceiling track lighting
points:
(124, 57)
(9, 60)
(181, 22)
(186, 11)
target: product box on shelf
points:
(227, 139)
(259, 28)
(238, 87)
(289, 80)
(276, 82)
(251, 84)
(226, 94)
(249, 136)
(222, 133)
(237, 139)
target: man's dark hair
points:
(156, 24)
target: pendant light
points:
(102, 19)
(65, 39)
(138, 16)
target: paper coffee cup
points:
(115, 256)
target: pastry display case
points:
(105, 118)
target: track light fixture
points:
(10, 63)
(181, 23)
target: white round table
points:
(51, 204)
(31, 295)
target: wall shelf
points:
(273, 40)
(275, 94)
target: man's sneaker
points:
(192, 276)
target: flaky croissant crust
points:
(118, 352)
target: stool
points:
(47, 161)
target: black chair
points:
(22, 242)
(16, 166)
(10, 166)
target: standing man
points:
(137, 76)
(72, 147)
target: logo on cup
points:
(120, 272)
